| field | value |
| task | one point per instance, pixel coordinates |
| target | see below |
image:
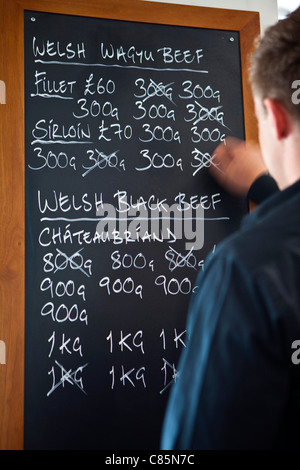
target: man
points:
(238, 387)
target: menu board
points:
(121, 123)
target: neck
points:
(288, 171)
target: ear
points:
(279, 118)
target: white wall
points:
(286, 6)
(267, 8)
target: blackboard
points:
(121, 122)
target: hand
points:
(236, 165)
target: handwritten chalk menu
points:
(121, 122)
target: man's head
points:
(275, 67)
(276, 63)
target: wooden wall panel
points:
(11, 229)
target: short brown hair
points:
(275, 64)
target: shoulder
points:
(256, 271)
(255, 246)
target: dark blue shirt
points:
(238, 387)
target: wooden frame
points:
(12, 243)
